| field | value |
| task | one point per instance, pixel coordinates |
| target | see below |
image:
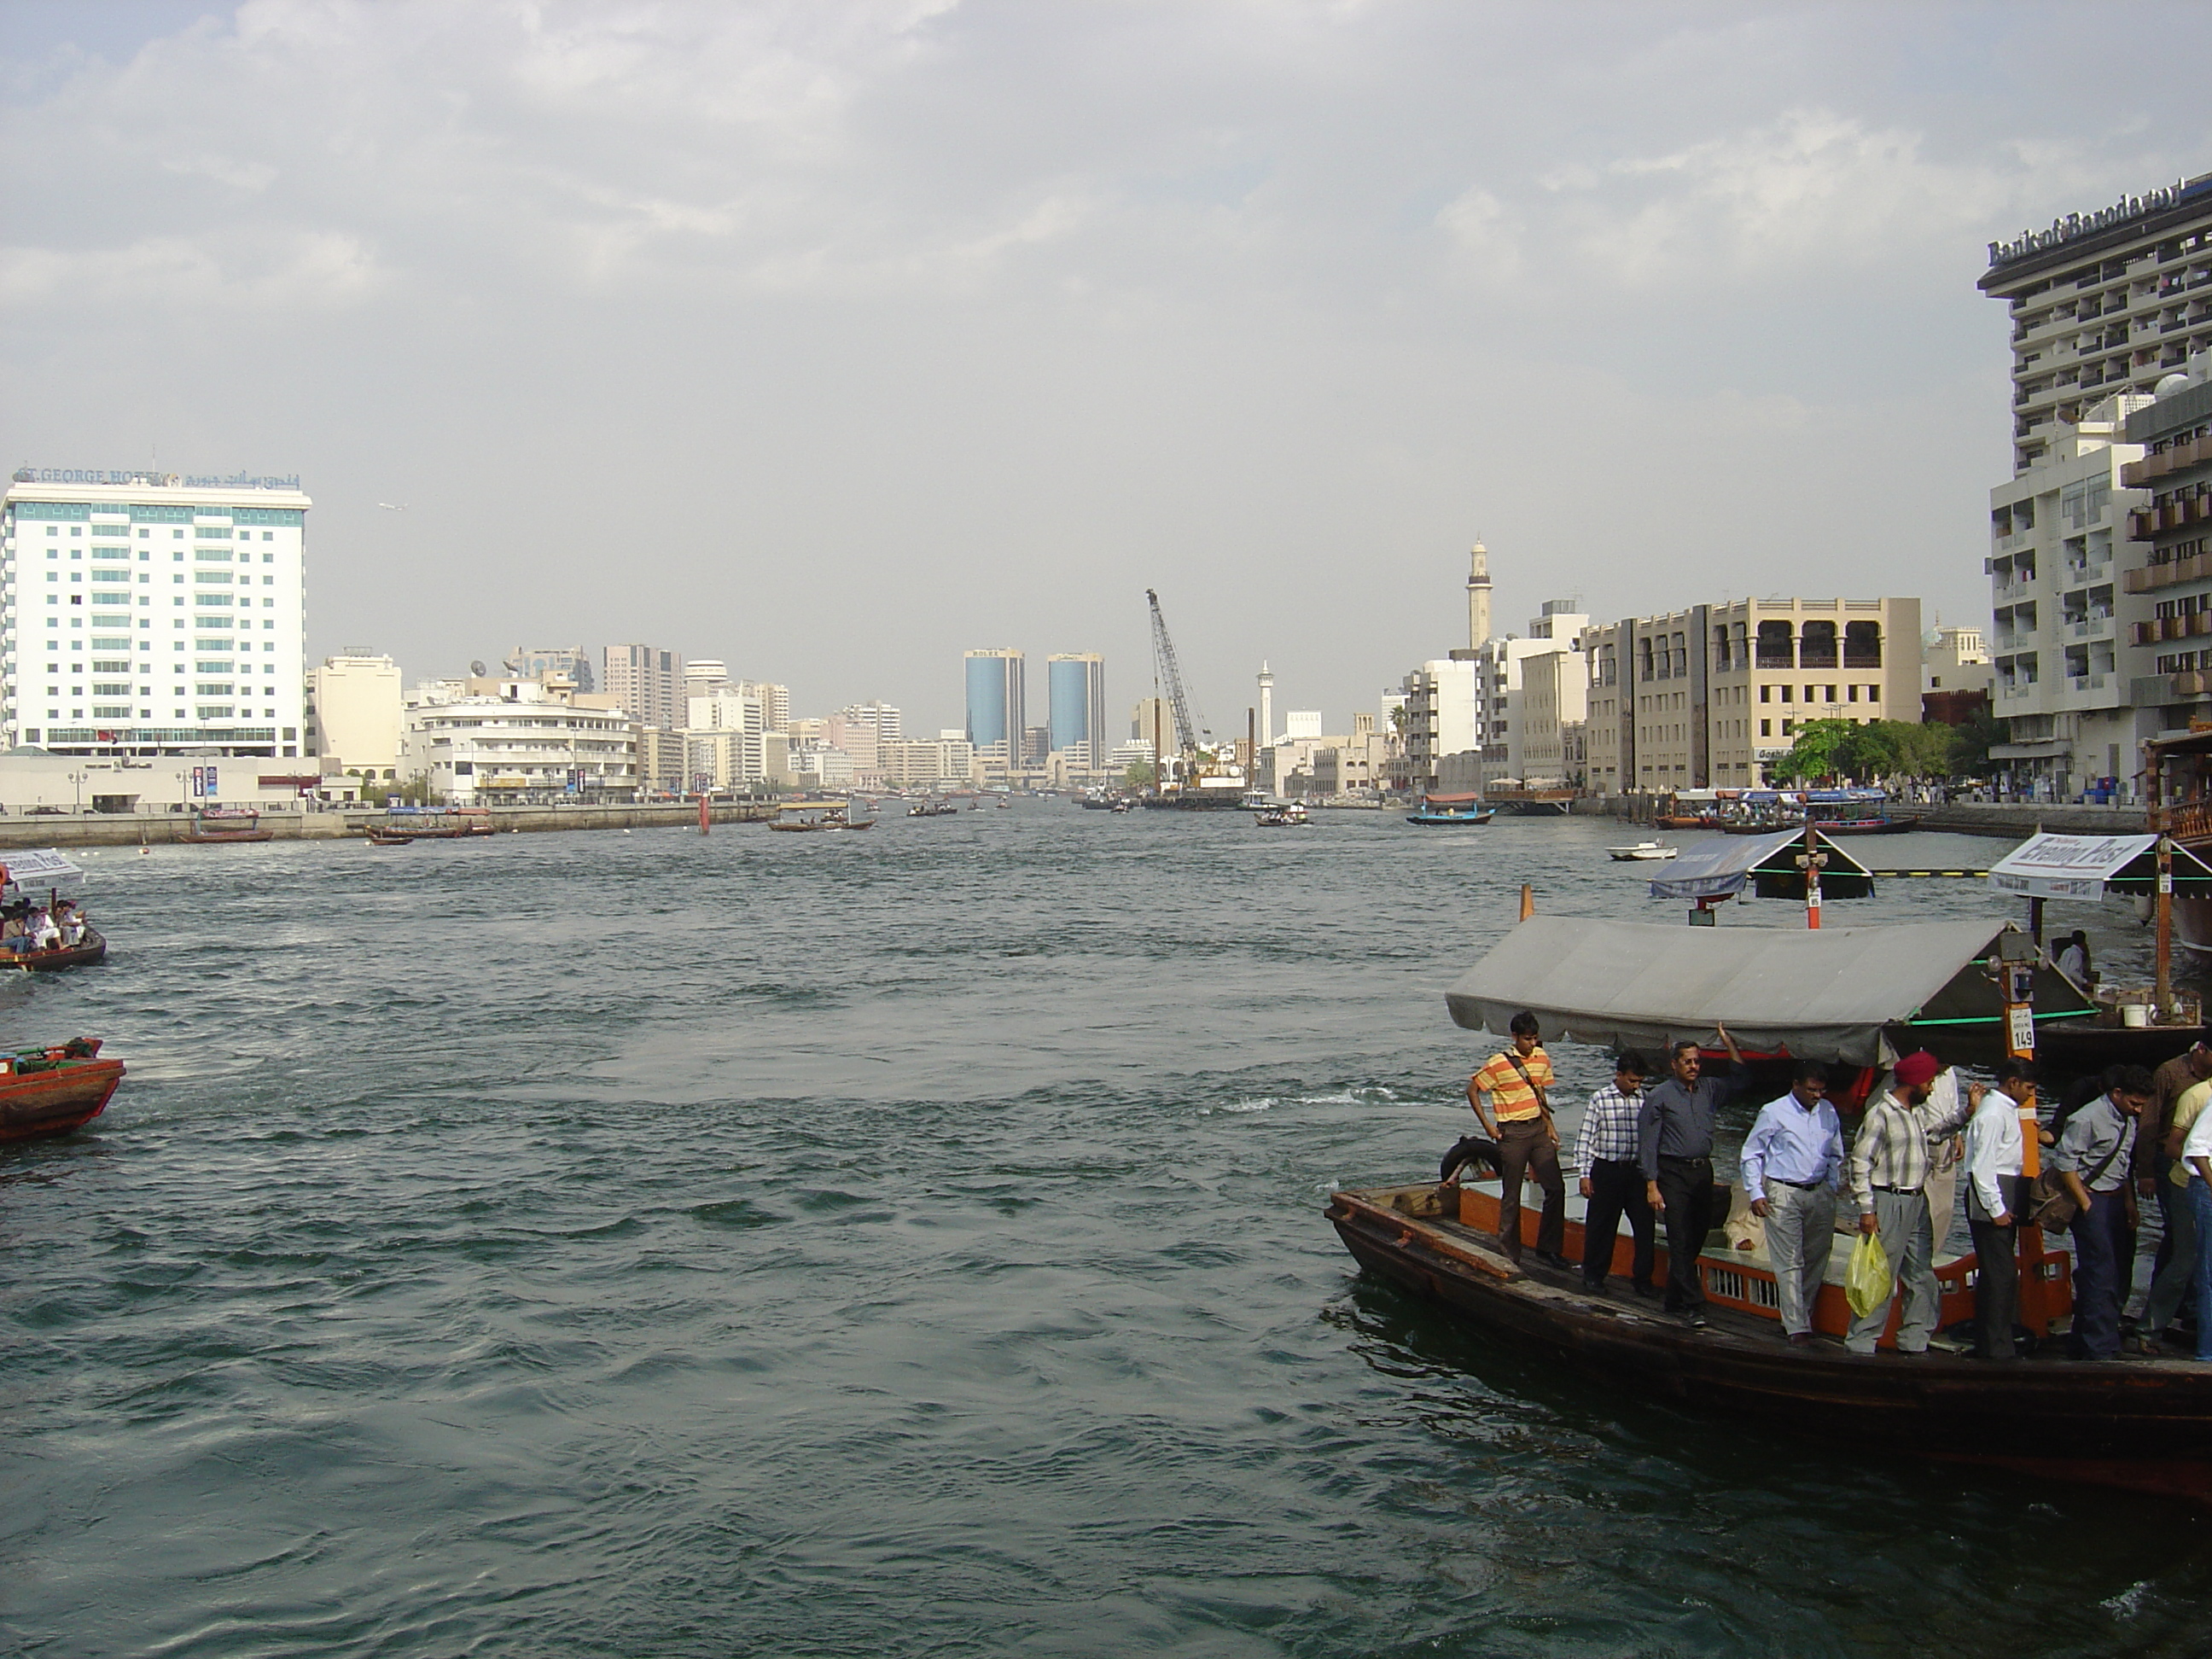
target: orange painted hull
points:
(36, 1104)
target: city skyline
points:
(857, 379)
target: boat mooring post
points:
(1528, 901)
(1810, 861)
(703, 812)
(2165, 982)
(2017, 961)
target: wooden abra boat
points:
(1436, 811)
(31, 867)
(51, 1091)
(226, 823)
(819, 815)
(90, 948)
(431, 823)
(2141, 1424)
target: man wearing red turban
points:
(1889, 1179)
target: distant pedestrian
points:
(1517, 1081)
(1674, 1147)
(1889, 1180)
(1994, 1201)
(1790, 1170)
(2091, 1159)
(1612, 1180)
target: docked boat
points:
(432, 823)
(51, 1091)
(1644, 852)
(1445, 810)
(22, 874)
(215, 825)
(820, 815)
(1858, 997)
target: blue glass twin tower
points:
(998, 705)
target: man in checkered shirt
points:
(1612, 1180)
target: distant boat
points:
(1642, 852)
(226, 823)
(798, 815)
(1288, 814)
(1443, 810)
(932, 809)
(32, 867)
(431, 823)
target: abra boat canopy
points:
(1863, 996)
(1718, 866)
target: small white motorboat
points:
(1643, 852)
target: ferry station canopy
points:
(1858, 996)
(2080, 867)
(1718, 865)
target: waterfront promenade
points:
(159, 829)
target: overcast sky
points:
(836, 339)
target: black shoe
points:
(1553, 1258)
(1649, 1292)
(1593, 1287)
(1694, 1319)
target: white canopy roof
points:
(38, 866)
(1821, 994)
(2067, 866)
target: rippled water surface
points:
(897, 1243)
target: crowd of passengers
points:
(2119, 1141)
(27, 926)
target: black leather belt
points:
(1902, 1192)
(1801, 1186)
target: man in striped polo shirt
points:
(1517, 1082)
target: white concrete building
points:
(152, 613)
(490, 742)
(356, 714)
(1955, 660)
(1516, 749)
(1443, 717)
(2061, 616)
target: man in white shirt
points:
(1993, 1206)
(2196, 1157)
(1790, 1168)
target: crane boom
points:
(1189, 733)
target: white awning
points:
(1832, 993)
(2067, 866)
(38, 866)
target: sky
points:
(836, 337)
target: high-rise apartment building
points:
(569, 662)
(648, 682)
(152, 613)
(996, 709)
(2103, 303)
(1076, 710)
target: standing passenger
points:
(1889, 1178)
(1516, 1080)
(2175, 1285)
(1675, 1145)
(1790, 1165)
(2091, 1157)
(1993, 1206)
(1605, 1153)
(2197, 1158)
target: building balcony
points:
(2172, 574)
(2136, 474)
(2088, 628)
(2148, 521)
(2190, 685)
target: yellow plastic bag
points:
(1867, 1278)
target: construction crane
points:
(1191, 733)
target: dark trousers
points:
(1686, 1187)
(1525, 1148)
(2102, 1241)
(1996, 1287)
(1616, 1188)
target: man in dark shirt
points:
(1674, 1144)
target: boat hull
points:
(2146, 1426)
(1450, 820)
(42, 1104)
(92, 949)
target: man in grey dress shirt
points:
(1674, 1144)
(1790, 1165)
(2092, 1158)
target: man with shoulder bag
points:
(2084, 1189)
(1517, 1082)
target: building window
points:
(1788, 726)
(1852, 692)
(1789, 692)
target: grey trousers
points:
(1908, 1240)
(2178, 1278)
(1801, 1231)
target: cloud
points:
(172, 274)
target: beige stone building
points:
(356, 711)
(1711, 696)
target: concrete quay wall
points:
(2009, 820)
(160, 829)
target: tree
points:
(1818, 752)
(1139, 774)
(1970, 744)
